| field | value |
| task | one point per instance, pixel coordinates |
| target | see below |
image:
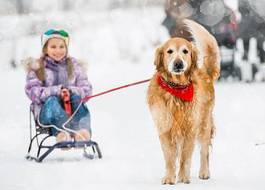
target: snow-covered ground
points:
(132, 158)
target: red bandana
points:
(184, 93)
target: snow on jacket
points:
(47, 79)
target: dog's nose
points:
(178, 65)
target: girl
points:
(54, 78)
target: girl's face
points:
(56, 49)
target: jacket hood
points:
(31, 64)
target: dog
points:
(181, 98)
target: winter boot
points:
(82, 135)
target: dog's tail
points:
(209, 56)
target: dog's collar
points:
(183, 92)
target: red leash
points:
(86, 98)
(113, 89)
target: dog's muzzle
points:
(178, 66)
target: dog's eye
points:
(169, 51)
(185, 51)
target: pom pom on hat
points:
(52, 33)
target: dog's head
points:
(176, 60)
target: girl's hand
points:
(65, 94)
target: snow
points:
(119, 53)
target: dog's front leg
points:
(170, 154)
(185, 160)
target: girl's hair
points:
(41, 71)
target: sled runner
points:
(40, 133)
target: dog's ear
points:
(194, 56)
(159, 56)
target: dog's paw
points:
(171, 180)
(184, 180)
(204, 175)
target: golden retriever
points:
(181, 98)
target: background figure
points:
(222, 24)
(251, 25)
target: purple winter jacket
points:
(39, 91)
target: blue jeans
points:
(53, 113)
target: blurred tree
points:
(22, 6)
(67, 5)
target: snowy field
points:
(122, 125)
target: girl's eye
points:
(185, 51)
(170, 51)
